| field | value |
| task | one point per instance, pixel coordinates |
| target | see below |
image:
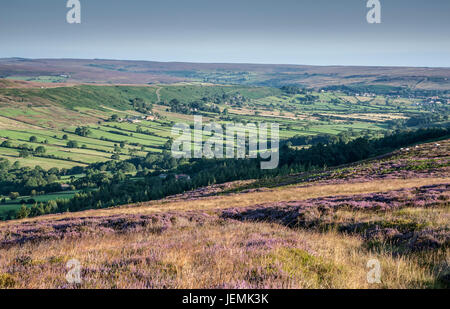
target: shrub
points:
(72, 144)
(6, 281)
(40, 150)
(14, 195)
(24, 153)
(23, 212)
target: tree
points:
(115, 156)
(37, 210)
(23, 212)
(4, 164)
(24, 153)
(82, 131)
(52, 179)
(114, 117)
(128, 168)
(116, 148)
(6, 144)
(132, 151)
(65, 137)
(14, 196)
(72, 144)
(168, 144)
(40, 150)
(33, 139)
(51, 206)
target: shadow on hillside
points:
(396, 237)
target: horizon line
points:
(243, 63)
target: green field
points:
(15, 205)
(50, 113)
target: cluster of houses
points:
(368, 95)
(436, 100)
(177, 176)
(65, 187)
(137, 119)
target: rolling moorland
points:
(148, 72)
(86, 172)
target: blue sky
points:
(319, 32)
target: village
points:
(137, 119)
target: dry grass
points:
(215, 255)
(374, 116)
(218, 252)
(7, 123)
(289, 193)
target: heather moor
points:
(308, 150)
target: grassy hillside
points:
(82, 96)
(195, 92)
(33, 109)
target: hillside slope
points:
(303, 231)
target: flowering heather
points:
(422, 161)
(317, 234)
(208, 191)
(90, 226)
(323, 213)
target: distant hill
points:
(148, 72)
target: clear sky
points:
(320, 32)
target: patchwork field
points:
(31, 109)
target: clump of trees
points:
(302, 140)
(141, 106)
(426, 120)
(292, 90)
(82, 131)
(24, 180)
(307, 99)
(25, 150)
(72, 144)
(190, 108)
(38, 209)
